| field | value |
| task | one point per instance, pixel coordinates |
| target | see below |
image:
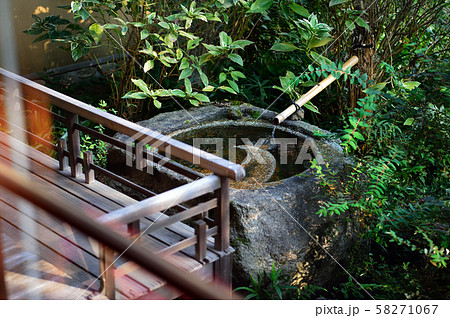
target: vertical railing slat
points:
(73, 140)
(222, 215)
(106, 258)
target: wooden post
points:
(223, 266)
(106, 259)
(3, 293)
(62, 146)
(134, 229)
(73, 141)
(222, 216)
(88, 159)
(200, 247)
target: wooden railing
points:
(69, 110)
(20, 185)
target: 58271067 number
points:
(406, 309)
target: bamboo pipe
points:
(312, 92)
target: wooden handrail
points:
(136, 252)
(162, 201)
(181, 150)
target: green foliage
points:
(275, 286)
(166, 52)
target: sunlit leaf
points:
(284, 47)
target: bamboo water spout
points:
(312, 92)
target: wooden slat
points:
(10, 217)
(178, 246)
(181, 216)
(163, 201)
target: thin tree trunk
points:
(364, 48)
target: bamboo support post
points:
(312, 92)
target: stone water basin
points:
(273, 211)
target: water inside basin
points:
(267, 155)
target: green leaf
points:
(236, 58)
(144, 34)
(233, 85)
(184, 63)
(204, 78)
(379, 86)
(157, 103)
(203, 98)
(96, 32)
(237, 74)
(135, 95)
(77, 53)
(359, 21)
(316, 42)
(260, 5)
(227, 89)
(84, 13)
(111, 26)
(76, 6)
(164, 25)
(312, 107)
(225, 40)
(335, 2)
(148, 65)
(284, 47)
(350, 24)
(208, 88)
(411, 85)
(242, 43)
(358, 135)
(188, 86)
(186, 73)
(142, 85)
(193, 43)
(222, 77)
(409, 122)
(299, 9)
(177, 93)
(194, 102)
(320, 59)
